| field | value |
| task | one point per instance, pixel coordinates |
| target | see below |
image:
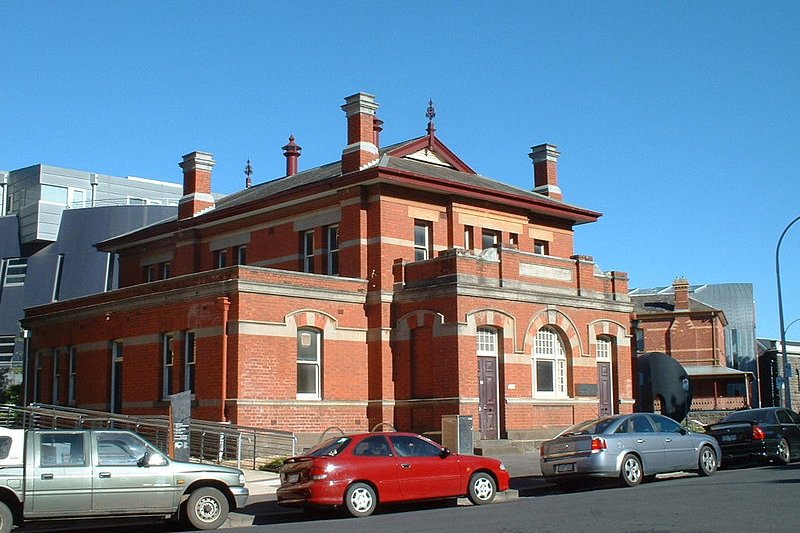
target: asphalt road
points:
(753, 500)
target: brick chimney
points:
(197, 197)
(681, 288)
(545, 170)
(361, 132)
(292, 153)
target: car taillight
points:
(317, 473)
(598, 444)
(758, 433)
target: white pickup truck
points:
(87, 473)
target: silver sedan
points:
(630, 447)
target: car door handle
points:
(405, 465)
(668, 439)
(47, 476)
(640, 441)
(105, 474)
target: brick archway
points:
(606, 328)
(560, 321)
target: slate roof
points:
(644, 304)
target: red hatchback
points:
(360, 471)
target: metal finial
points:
(431, 111)
(248, 171)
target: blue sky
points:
(677, 120)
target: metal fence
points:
(213, 442)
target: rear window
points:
(590, 427)
(761, 417)
(331, 447)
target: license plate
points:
(566, 467)
(728, 438)
(291, 478)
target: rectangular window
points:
(77, 198)
(422, 240)
(221, 258)
(333, 250)
(116, 377)
(308, 251)
(490, 239)
(59, 273)
(603, 349)
(73, 374)
(112, 268)
(544, 375)
(241, 255)
(487, 342)
(469, 237)
(54, 194)
(149, 273)
(6, 350)
(541, 247)
(62, 450)
(189, 352)
(56, 376)
(166, 270)
(513, 239)
(15, 271)
(37, 380)
(309, 359)
(168, 358)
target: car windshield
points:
(590, 427)
(331, 447)
(761, 417)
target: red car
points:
(360, 471)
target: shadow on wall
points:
(664, 386)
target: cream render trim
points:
(470, 217)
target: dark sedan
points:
(769, 434)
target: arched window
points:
(549, 365)
(309, 364)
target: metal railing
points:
(213, 442)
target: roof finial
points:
(248, 171)
(430, 114)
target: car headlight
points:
(502, 466)
(241, 479)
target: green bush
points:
(274, 464)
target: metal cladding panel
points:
(9, 237)
(84, 267)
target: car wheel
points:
(482, 488)
(631, 472)
(206, 508)
(707, 463)
(784, 452)
(6, 518)
(360, 500)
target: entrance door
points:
(604, 392)
(487, 404)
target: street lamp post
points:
(788, 396)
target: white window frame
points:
(487, 340)
(73, 374)
(469, 237)
(333, 250)
(495, 236)
(167, 364)
(241, 254)
(604, 348)
(56, 376)
(422, 247)
(548, 347)
(190, 364)
(317, 363)
(15, 270)
(308, 251)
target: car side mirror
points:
(445, 453)
(684, 431)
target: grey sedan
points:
(630, 447)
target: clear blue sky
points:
(678, 120)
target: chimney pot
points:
(292, 153)
(197, 196)
(545, 170)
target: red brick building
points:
(692, 332)
(394, 285)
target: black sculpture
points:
(663, 380)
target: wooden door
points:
(487, 403)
